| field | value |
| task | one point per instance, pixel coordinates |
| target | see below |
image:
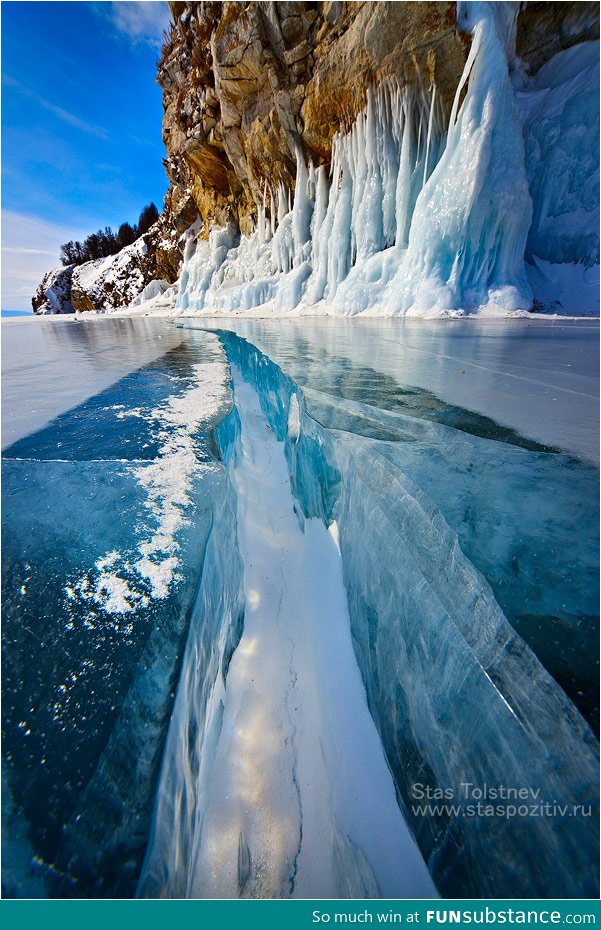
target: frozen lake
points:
(540, 378)
(253, 569)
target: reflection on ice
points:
(50, 365)
(536, 377)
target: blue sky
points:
(81, 128)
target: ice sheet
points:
(537, 377)
(50, 365)
(299, 800)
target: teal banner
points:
(292, 915)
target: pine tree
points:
(148, 216)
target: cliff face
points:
(544, 29)
(247, 85)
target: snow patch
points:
(121, 584)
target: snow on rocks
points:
(54, 293)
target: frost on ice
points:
(120, 584)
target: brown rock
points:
(547, 28)
(245, 83)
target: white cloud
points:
(30, 248)
(65, 115)
(140, 21)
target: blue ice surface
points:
(87, 690)
(440, 527)
(524, 509)
(470, 565)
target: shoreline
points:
(521, 316)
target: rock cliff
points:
(247, 85)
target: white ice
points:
(118, 584)
(468, 234)
(169, 479)
(299, 800)
(559, 109)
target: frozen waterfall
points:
(422, 214)
(468, 234)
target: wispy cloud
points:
(17, 251)
(65, 115)
(74, 120)
(30, 248)
(140, 22)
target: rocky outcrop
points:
(244, 84)
(543, 29)
(54, 293)
(108, 283)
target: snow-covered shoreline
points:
(313, 313)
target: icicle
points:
(261, 223)
(468, 233)
(429, 139)
(403, 186)
(272, 212)
(367, 220)
(329, 241)
(302, 208)
(283, 203)
(264, 232)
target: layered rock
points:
(246, 83)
